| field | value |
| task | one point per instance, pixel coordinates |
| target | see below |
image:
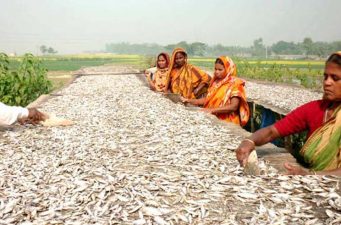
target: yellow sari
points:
(186, 79)
(160, 76)
(221, 92)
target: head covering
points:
(220, 93)
(175, 51)
(230, 69)
(164, 54)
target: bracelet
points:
(251, 141)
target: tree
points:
(198, 48)
(50, 50)
(308, 46)
(43, 49)
(258, 48)
(285, 48)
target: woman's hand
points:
(295, 170)
(243, 151)
(184, 100)
(207, 110)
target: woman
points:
(184, 78)
(226, 95)
(322, 119)
(157, 79)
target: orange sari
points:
(184, 80)
(220, 93)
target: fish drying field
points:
(135, 157)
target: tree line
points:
(306, 48)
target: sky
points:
(76, 26)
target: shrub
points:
(25, 84)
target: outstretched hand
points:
(243, 151)
(295, 170)
(184, 100)
(34, 117)
(207, 110)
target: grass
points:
(76, 62)
(59, 78)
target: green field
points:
(305, 73)
(76, 62)
(293, 64)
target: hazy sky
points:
(73, 26)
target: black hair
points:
(219, 61)
(334, 58)
(183, 53)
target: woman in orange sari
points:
(226, 94)
(184, 78)
(157, 76)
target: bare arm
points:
(199, 102)
(298, 170)
(258, 138)
(232, 107)
(197, 90)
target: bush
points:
(24, 85)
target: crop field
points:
(75, 62)
(305, 73)
(301, 64)
(298, 72)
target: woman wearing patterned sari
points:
(322, 120)
(157, 76)
(184, 78)
(226, 95)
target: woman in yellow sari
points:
(157, 76)
(322, 120)
(184, 78)
(226, 94)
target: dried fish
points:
(135, 157)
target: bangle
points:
(313, 172)
(251, 141)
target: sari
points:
(322, 151)
(160, 76)
(220, 93)
(186, 79)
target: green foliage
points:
(307, 77)
(25, 84)
(305, 49)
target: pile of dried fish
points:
(284, 97)
(135, 157)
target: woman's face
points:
(332, 82)
(162, 62)
(219, 71)
(180, 59)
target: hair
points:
(219, 61)
(162, 54)
(334, 58)
(166, 58)
(183, 53)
